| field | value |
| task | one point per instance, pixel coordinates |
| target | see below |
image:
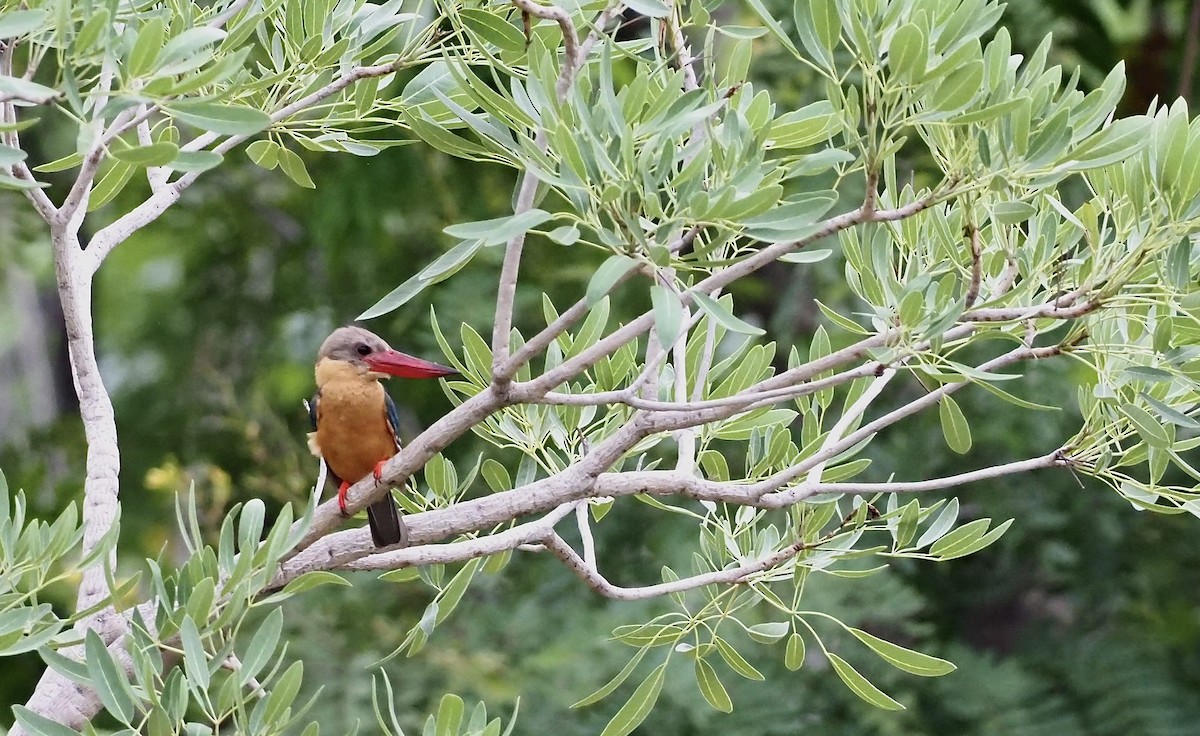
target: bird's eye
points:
(363, 349)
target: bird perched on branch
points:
(355, 420)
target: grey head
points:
(351, 344)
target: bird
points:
(354, 419)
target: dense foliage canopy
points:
(789, 302)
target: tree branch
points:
(588, 572)
(506, 291)
(118, 231)
(8, 115)
(467, 549)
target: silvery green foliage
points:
(1049, 230)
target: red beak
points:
(395, 363)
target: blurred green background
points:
(1083, 619)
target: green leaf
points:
(444, 267)
(769, 632)
(807, 256)
(69, 161)
(500, 229)
(264, 153)
(793, 653)
(1170, 414)
(954, 425)
(493, 29)
(610, 272)
(723, 316)
(107, 678)
(906, 525)
(711, 688)
(38, 725)
(26, 90)
(146, 47)
(773, 25)
(109, 185)
(908, 660)
(312, 579)
(155, 154)
(89, 32)
(496, 475)
(1147, 426)
(649, 8)
(639, 705)
(195, 660)
(668, 315)
(12, 182)
(940, 525)
(818, 26)
(736, 661)
(565, 235)
(967, 539)
(188, 43)
(219, 118)
(283, 693)
(959, 88)
(449, 715)
(15, 23)
(262, 646)
(610, 686)
(293, 166)
(860, 685)
(801, 128)
(453, 592)
(908, 53)
(196, 161)
(10, 155)
(1012, 213)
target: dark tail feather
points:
(387, 528)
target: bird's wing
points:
(313, 446)
(312, 409)
(393, 418)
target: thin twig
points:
(506, 290)
(467, 549)
(850, 416)
(782, 478)
(8, 114)
(731, 575)
(976, 265)
(570, 39)
(585, 533)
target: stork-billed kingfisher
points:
(355, 419)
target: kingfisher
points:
(354, 419)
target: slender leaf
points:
(607, 276)
(639, 705)
(668, 315)
(861, 686)
(711, 688)
(908, 660)
(220, 118)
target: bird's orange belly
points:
(353, 435)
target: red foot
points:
(378, 471)
(345, 486)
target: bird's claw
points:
(342, 497)
(378, 471)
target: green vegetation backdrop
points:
(1083, 619)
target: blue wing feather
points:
(393, 418)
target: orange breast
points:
(352, 429)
